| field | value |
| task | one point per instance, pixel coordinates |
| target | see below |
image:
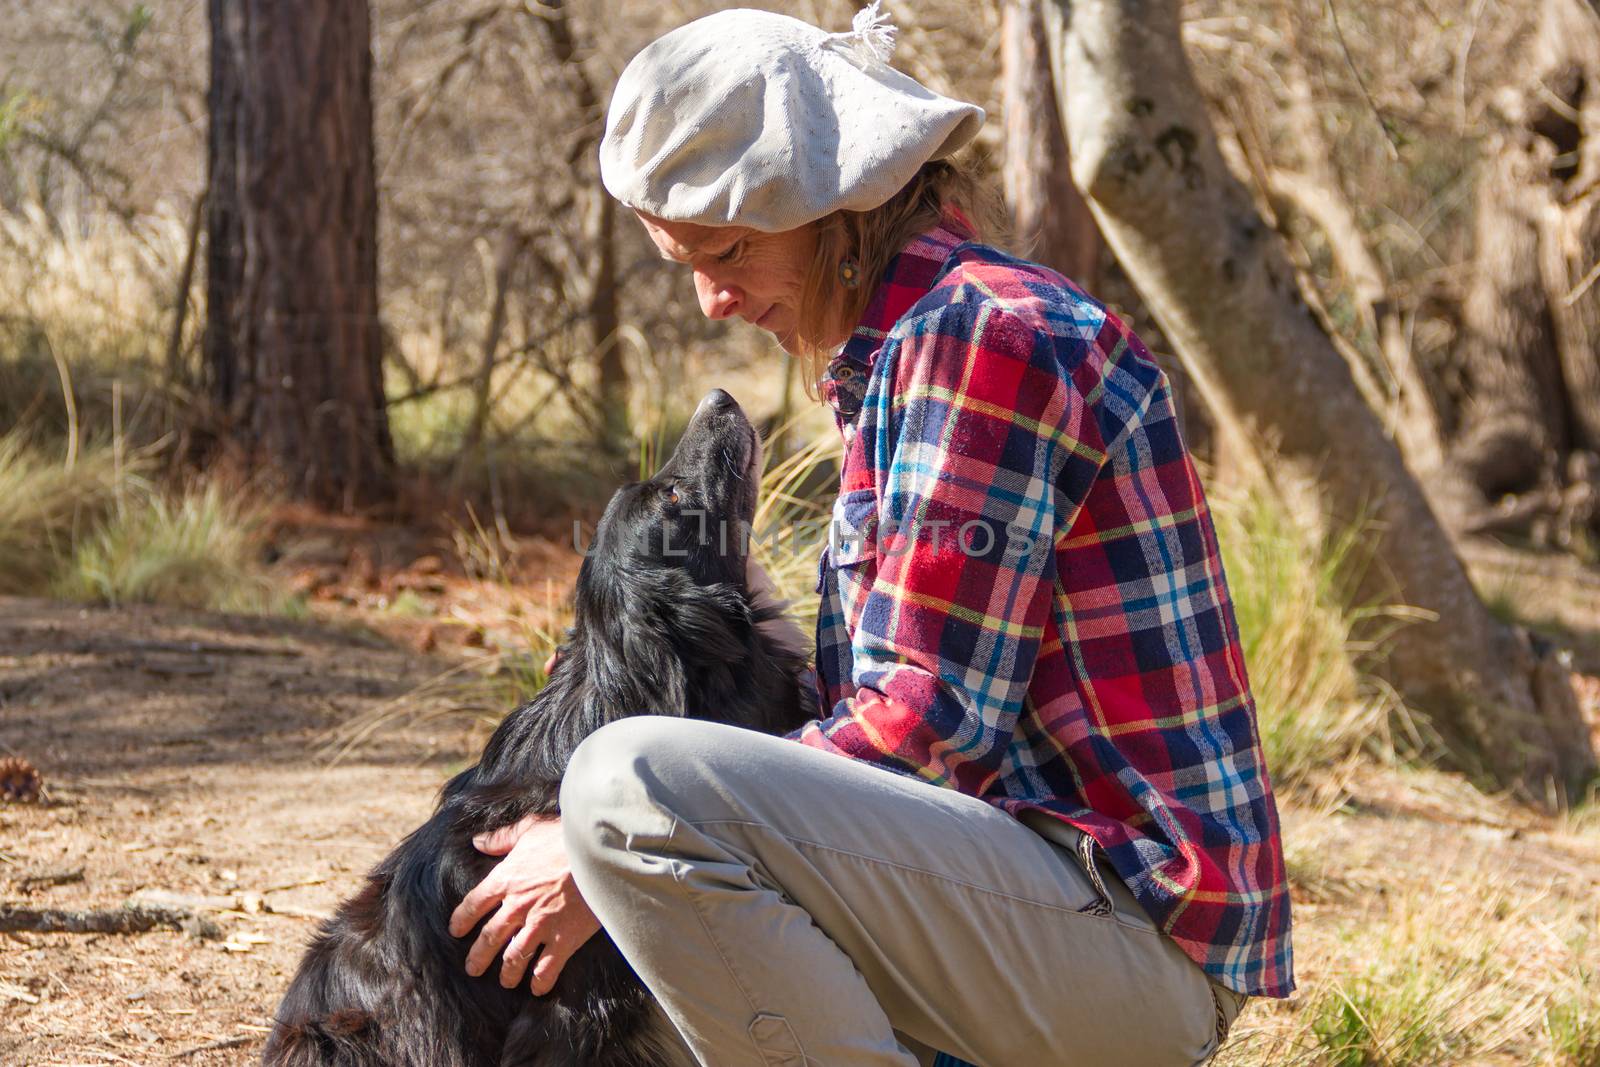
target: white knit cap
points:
(750, 118)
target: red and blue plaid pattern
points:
(1023, 599)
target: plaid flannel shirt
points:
(1022, 597)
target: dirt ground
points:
(188, 754)
(183, 754)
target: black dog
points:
(665, 622)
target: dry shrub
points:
(49, 505)
(95, 528)
(200, 548)
(1318, 711)
(97, 289)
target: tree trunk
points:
(1222, 288)
(1512, 427)
(1049, 217)
(1567, 115)
(224, 229)
(293, 345)
(1531, 328)
(604, 320)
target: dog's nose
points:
(716, 400)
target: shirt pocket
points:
(853, 535)
(852, 552)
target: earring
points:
(849, 273)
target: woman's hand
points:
(539, 905)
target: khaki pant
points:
(794, 908)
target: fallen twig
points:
(186, 902)
(289, 911)
(129, 919)
(50, 878)
(226, 1042)
(293, 885)
(249, 902)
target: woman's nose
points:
(718, 299)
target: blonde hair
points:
(873, 238)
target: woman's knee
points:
(608, 767)
(631, 780)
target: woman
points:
(1024, 618)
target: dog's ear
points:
(710, 621)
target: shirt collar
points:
(911, 274)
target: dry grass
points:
(791, 523)
(95, 295)
(515, 670)
(1318, 710)
(50, 505)
(1430, 941)
(198, 548)
(94, 528)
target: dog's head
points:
(666, 617)
(692, 518)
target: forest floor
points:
(188, 754)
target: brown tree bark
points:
(1512, 429)
(1567, 115)
(293, 344)
(1531, 329)
(224, 229)
(1049, 218)
(1222, 288)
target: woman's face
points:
(739, 271)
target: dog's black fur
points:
(665, 622)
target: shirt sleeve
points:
(966, 446)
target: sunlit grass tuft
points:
(199, 548)
(49, 505)
(1316, 709)
(791, 522)
(1367, 1023)
(1574, 1028)
(1448, 974)
(1421, 942)
(95, 528)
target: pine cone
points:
(19, 780)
